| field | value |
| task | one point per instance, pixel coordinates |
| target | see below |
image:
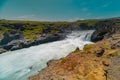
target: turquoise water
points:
(21, 64)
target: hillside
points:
(98, 61)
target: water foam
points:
(21, 64)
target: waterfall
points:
(21, 64)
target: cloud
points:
(75, 19)
(25, 17)
(105, 5)
(85, 9)
(88, 14)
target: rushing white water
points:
(21, 64)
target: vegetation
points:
(31, 29)
(88, 48)
(63, 60)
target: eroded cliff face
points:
(105, 29)
(76, 66)
(99, 61)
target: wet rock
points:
(2, 50)
(77, 49)
(15, 44)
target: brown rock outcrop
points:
(84, 65)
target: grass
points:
(88, 48)
(33, 33)
(63, 60)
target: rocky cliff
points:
(98, 61)
(105, 29)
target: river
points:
(21, 64)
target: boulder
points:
(11, 35)
(19, 42)
(2, 50)
(15, 44)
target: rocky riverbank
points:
(22, 34)
(14, 40)
(99, 61)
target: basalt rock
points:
(17, 42)
(48, 38)
(105, 29)
(11, 35)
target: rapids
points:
(21, 64)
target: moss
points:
(63, 60)
(2, 32)
(88, 47)
(104, 46)
(30, 38)
(113, 54)
(77, 50)
(31, 34)
(54, 31)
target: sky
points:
(58, 10)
